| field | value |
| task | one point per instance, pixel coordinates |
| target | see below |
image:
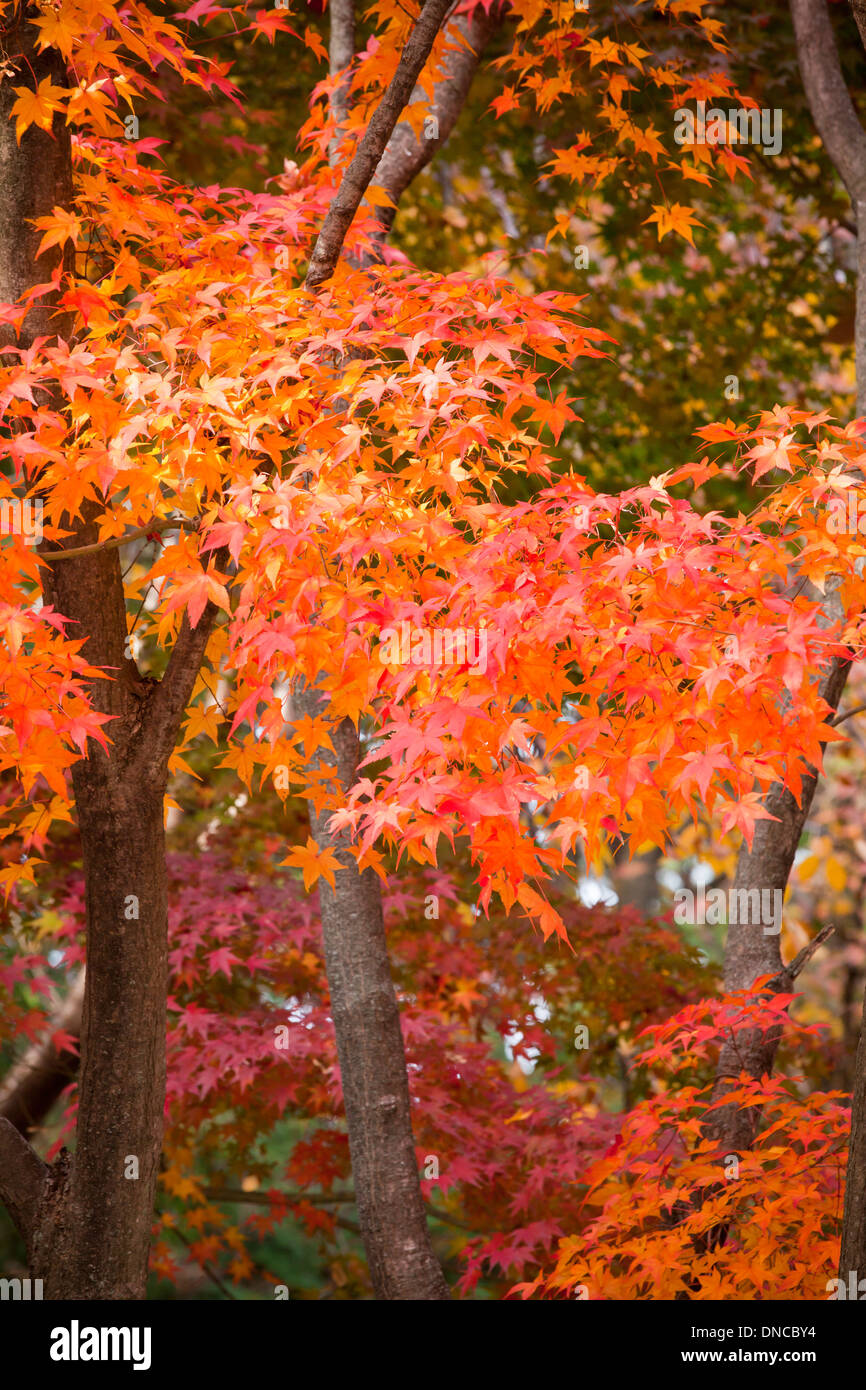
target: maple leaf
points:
(314, 862)
(772, 454)
(743, 814)
(222, 959)
(195, 592)
(37, 107)
(676, 218)
(62, 226)
(270, 23)
(507, 100)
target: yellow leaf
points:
(836, 875)
(378, 197)
(36, 108)
(203, 721)
(676, 218)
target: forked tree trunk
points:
(86, 1221)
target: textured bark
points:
(91, 1235)
(86, 1224)
(23, 1181)
(34, 176)
(407, 154)
(363, 1003)
(98, 1246)
(852, 1254)
(341, 51)
(370, 1049)
(359, 174)
(750, 952)
(32, 1086)
(843, 137)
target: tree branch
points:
(849, 714)
(407, 154)
(859, 11)
(33, 1084)
(356, 178)
(170, 696)
(829, 101)
(803, 957)
(268, 1199)
(22, 1181)
(844, 140)
(341, 51)
(180, 524)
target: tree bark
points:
(33, 1084)
(34, 177)
(407, 154)
(86, 1220)
(364, 1007)
(845, 141)
(750, 952)
(370, 1049)
(357, 177)
(852, 1252)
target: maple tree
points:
(301, 442)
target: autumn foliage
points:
(388, 453)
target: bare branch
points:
(356, 178)
(179, 524)
(33, 1084)
(341, 51)
(803, 957)
(849, 714)
(276, 1198)
(407, 154)
(22, 1181)
(341, 43)
(844, 140)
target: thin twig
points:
(179, 524)
(803, 957)
(840, 718)
(204, 1266)
(277, 1198)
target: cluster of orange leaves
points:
(670, 1215)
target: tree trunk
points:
(750, 952)
(86, 1220)
(100, 1248)
(370, 1049)
(852, 1254)
(364, 1007)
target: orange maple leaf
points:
(36, 108)
(676, 218)
(314, 863)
